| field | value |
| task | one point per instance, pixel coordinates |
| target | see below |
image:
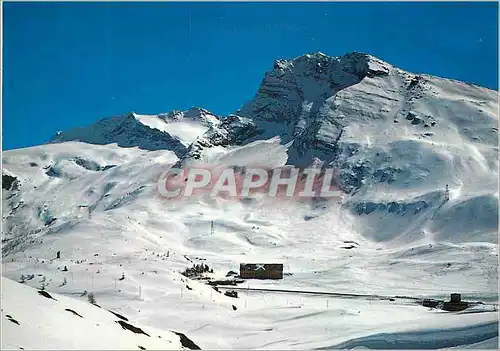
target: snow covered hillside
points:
(40, 320)
(397, 139)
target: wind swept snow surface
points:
(395, 138)
(32, 321)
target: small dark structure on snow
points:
(455, 303)
(261, 271)
(231, 293)
(447, 193)
(430, 303)
(197, 270)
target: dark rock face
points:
(9, 318)
(398, 208)
(239, 129)
(73, 312)
(297, 100)
(9, 182)
(87, 164)
(53, 172)
(186, 342)
(309, 80)
(46, 294)
(119, 316)
(128, 326)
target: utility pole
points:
(447, 193)
(246, 297)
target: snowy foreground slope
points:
(41, 320)
(396, 138)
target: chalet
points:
(261, 271)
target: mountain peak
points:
(322, 58)
(316, 54)
(308, 79)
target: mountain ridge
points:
(341, 71)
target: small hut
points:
(455, 304)
(261, 271)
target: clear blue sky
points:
(69, 64)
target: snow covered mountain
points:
(172, 131)
(397, 139)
